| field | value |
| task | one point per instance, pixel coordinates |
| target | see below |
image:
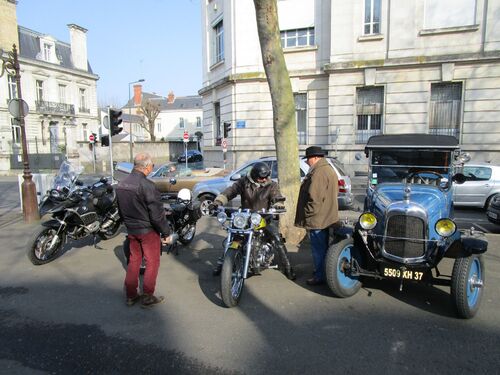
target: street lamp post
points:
(130, 119)
(10, 64)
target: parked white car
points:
(482, 183)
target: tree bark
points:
(284, 122)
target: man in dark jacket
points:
(144, 216)
(317, 208)
(257, 192)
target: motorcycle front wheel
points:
(111, 232)
(187, 233)
(40, 250)
(232, 281)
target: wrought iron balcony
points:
(446, 131)
(43, 106)
(362, 136)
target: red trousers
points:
(148, 246)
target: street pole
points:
(131, 154)
(28, 188)
(110, 131)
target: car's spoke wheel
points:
(205, 201)
(467, 282)
(187, 234)
(338, 259)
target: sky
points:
(127, 40)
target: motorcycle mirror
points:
(459, 178)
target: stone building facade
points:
(357, 68)
(59, 87)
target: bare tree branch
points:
(149, 109)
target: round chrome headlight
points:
(255, 219)
(240, 221)
(367, 221)
(55, 194)
(445, 227)
(221, 217)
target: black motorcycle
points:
(182, 213)
(77, 212)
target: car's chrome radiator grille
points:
(404, 236)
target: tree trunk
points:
(152, 131)
(284, 123)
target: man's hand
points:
(168, 240)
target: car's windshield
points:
(397, 165)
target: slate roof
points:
(29, 48)
(180, 102)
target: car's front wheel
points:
(338, 260)
(205, 201)
(467, 282)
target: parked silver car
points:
(482, 183)
(208, 190)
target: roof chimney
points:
(137, 95)
(8, 26)
(78, 38)
(170, 97)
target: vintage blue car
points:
(407, 225)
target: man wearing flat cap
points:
(317, 208)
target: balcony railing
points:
(84, 110)
(445, 131)
(43, 106)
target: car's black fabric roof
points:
(412, 141)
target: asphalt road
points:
(69, 317)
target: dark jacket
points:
(254, 196)
(140, 205)
(317, 206)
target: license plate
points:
(492, 215)
(398, 273)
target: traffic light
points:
(227, 128)
(105, 140)
(114, 121)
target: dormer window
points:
(47, 52)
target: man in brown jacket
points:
(317, 208)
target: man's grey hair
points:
(142, 160)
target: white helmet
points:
(184, 195)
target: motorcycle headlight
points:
(239, 221)
(445, 227)
(55, 194)
(367, 221)
(221, 217)
(255, 219)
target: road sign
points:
(224, 143)
(186, 137)
(15, 110)
(91, 138)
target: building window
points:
(83, 100)
(369, 112)
(12, 87)
(301, 117)
(218, 42)
(62, 93)
(198, 122)
(217, 124)
(158, 127)
(47, 52)
(16, 131)
(39, 90)
(181, 123)
(445, 108)
(85, 134)
(372, 17)
(449, 13)
(297, 37)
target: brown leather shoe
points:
(133, 300)
(314, 281)
(149, 300)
